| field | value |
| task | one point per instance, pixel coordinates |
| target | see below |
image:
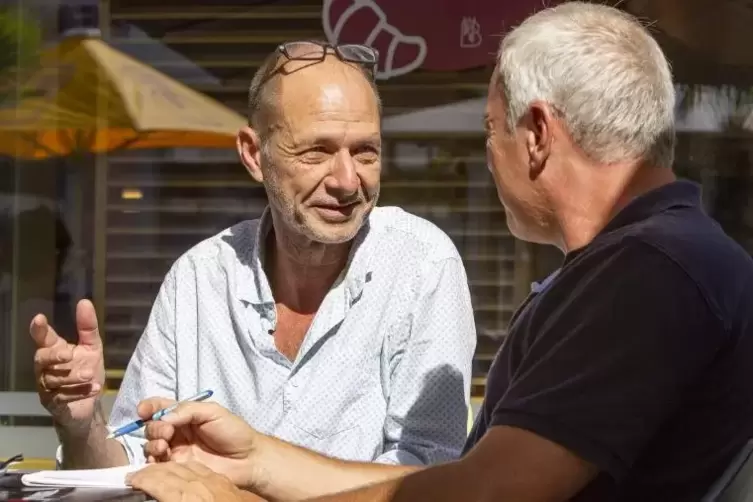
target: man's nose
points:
(343, 178)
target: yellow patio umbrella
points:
(88, 97)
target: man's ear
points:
(249, 150)
(539, 136)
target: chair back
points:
(736, 484)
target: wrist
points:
(80, 432)
(256, 464)
(81, 428)
(73, 431)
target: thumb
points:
(42, 333)
(86, 324)
(195, 413)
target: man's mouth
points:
(336, 212)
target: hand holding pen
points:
(206, 433)
(138, 424)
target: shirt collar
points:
(538, 287)
(679, 193)
(676, 194)
(254, 287)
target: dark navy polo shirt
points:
(638, 355)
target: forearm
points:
(89, 448)
(284, 472)
(444, 483)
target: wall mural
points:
(438, 35)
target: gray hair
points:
(603, 73)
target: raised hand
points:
(202, 432)
(69, 377)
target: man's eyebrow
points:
(373, 138)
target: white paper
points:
(113, 477)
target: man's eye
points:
(316, 149)
(366, 154)
(367, 157)
(314, 155)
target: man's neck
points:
(302, 271)
(603, 198)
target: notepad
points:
(113, 477)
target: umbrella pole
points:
(101, 169)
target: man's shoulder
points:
(404, 230)
(687, 248)
(234, 244)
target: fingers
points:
(49, 357)
(159, 430)
(87, 325)
(42, 333)
(158, 449)
(171, 481)
(64, 365)
(160, 435)
(71, 393)
(196, 414)
(54, 378)
(149, 407)
(159, 481)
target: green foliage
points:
(20, 43)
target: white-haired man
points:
(628, 376)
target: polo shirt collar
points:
(676, 194)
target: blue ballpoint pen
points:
(138, 424)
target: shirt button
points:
(294, 384)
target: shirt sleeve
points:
(151, 371)
(607, 357)
(430, 372)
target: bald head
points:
(277, 74)
(314, 141)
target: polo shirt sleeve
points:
(614, 346)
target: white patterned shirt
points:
(383, 373)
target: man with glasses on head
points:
(328, 323)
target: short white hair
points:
(603, 73)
